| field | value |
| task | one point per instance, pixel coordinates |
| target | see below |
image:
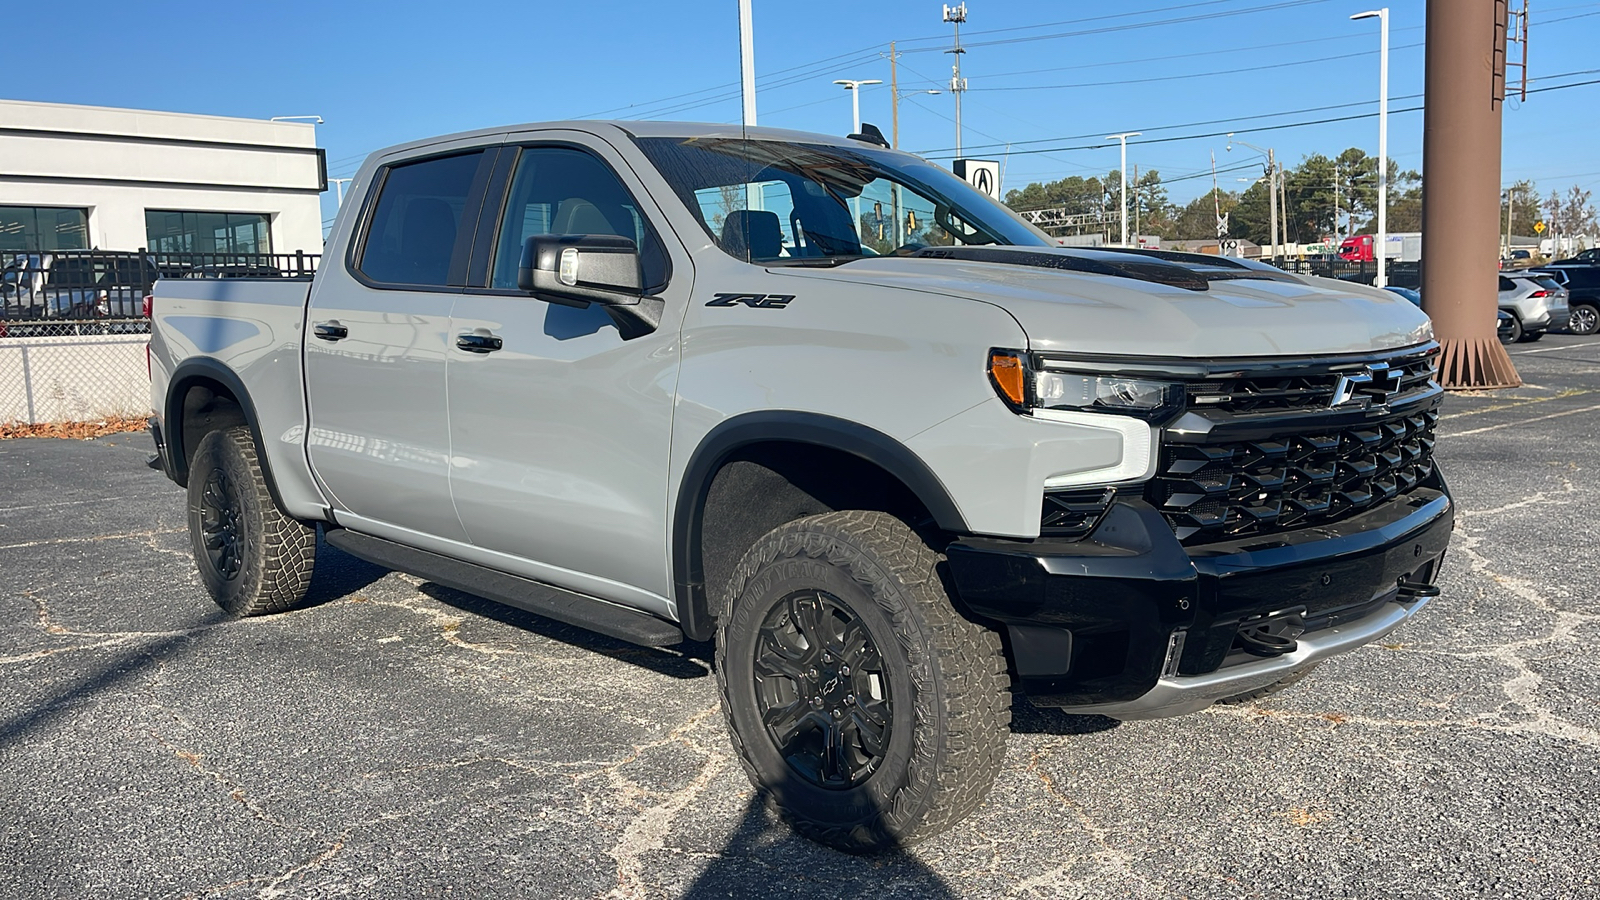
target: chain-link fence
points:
(74, 371)
(74, 326)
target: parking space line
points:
(1555, 348)
(1570, 412)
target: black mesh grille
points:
(1230, 489)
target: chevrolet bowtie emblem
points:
(1377, 384)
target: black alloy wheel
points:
(253, 558)
(863, 706)
(222, 526)
(822, 690)
(1585, 319)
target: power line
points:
(935, 154)
(1187, 76)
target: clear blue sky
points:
(384, 73)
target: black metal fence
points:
(105, 287)
(1399, 274)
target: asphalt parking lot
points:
(397, 739)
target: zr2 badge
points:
(754, 301)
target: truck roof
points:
(648, 129)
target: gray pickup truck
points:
(822, 402)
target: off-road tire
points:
(253, 559)
(947, 683)
(1287, 681)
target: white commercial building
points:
(89, 177)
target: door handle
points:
(473, 342)
(330, 331)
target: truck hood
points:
(1087, 312)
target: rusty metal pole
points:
(1461, 189)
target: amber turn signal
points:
(1009, 377)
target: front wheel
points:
(869, 712)
(1585, 319)
(253, 559)
(1515, 334)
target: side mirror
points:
(580, 269)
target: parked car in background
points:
(1582, 284)
(1538, 302)
(1412, 294)
(1590, 257)
(1505, 326)
(78, 284)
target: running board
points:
(551, 602)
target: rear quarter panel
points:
(253, 328)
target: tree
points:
(1076, 193)
(1198, 220)
(1523, 198)
(1252, 214)
(1577, 216)
(1148, 205)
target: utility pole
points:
(338, 187)
(747, 62)
(1283, 201)
(1461, 156)
(894, 99)
(958, 85)
(1136, 203)
(1123, 172)
(1336, 241)
(1272, 201)
(1511, 199)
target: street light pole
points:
(1383, 136)
(747, 63)
(338, 188)
(854, 87)
(1124, 173)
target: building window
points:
(40, 228)
(181, 231)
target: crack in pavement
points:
(1108, 852)
(1522, 688)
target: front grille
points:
(1299, 389)
(1231, 489)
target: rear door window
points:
(1507, 284)
(416, 230)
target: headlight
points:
(1025, 388)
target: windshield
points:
(782, 203)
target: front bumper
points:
(1129, 623)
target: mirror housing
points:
(580, 269)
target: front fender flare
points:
(873, 446)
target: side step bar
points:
(552, 602)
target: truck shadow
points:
(764, 858)
(1029, 719)
(337, 575)
(690, 659)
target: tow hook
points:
(1414, 590)
(1273, 634)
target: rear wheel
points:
(1585, 319)
(864, 707)
(253, 559)
(1529, 337)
